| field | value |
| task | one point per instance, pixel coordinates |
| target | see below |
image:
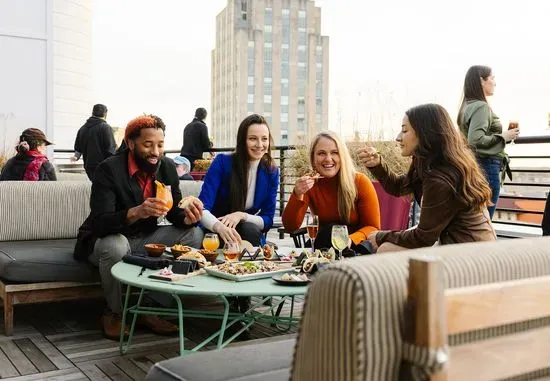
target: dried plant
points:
(299, 165)
(3, 159)
(201, 165)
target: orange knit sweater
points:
(323, 200)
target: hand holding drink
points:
(513, 131)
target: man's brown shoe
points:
(157, 325)
(111, 326)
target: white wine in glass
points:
(339, 238)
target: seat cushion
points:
(258, 362)
(43, 261)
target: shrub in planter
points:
(202, 165)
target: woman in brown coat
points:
(444, 178)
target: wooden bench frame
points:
(28, 293)
(433, 313)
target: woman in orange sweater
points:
(339, 195)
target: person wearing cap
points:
(31, 162)
(182, 167)
(124, 211)
(94, 141)
(195, 138)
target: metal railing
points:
(511, 220)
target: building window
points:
(268, 88)
(250, 98)
(243, 9)
(284, 100)
(302, 38)
(302, 19)
(268, 16)
(268, 69)
(284, 117)
(267, 98)
(250, 81)
(268, 28)
(284, 71)
(267, 108)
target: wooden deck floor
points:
(62, 341)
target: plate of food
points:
(292, 279)
(250, 270)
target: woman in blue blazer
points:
(240, 189)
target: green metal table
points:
(205, 285)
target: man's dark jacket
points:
(195, 139)
(114, 192)
(95, 141)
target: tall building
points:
(270, 58)
(45, 70)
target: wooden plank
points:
(58, 294)
(113, 371)
(93, 373)
(495, 304)
(39, 360)
(6, 367)
(143, 363)
(131, 370)
(23, 365)
(425, 327)
(55, 375)
(8, 314)
(56, 357)
(44, 286)
(501, 357)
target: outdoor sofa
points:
(386, 317)
(39, 222)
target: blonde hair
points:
(347, 192)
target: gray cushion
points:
(43, 261)
(258, 362)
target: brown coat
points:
(443, 217)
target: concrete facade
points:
(46, 68)
(270, 58)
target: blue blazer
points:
(215, 190)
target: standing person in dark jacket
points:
(195, 138)
(124, 211)
(94, 141)
(31, 162)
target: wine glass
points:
(231, 251)
(312, 224)
(211, 241)
(512, 125)
(339, 239)
(164, 193)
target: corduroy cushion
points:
(34, 210)
(353, 313)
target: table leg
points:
(278, 313)
(180, 323)
(125, 347)
(224, 320)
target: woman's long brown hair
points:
(442, 147)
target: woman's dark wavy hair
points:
(442, 147)
(239, 175)
(472, 89)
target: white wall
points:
(72, 68)
(45, 68)
(23, 69)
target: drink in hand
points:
(164, 193)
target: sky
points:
(385, 57)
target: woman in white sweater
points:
(240, 189)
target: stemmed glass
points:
(339, 239)
(164, 193)
(312, 224)
(211, 241)
(231, 251)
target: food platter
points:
(218, 271)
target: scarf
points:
(32, 172)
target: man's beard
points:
(144, 165)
